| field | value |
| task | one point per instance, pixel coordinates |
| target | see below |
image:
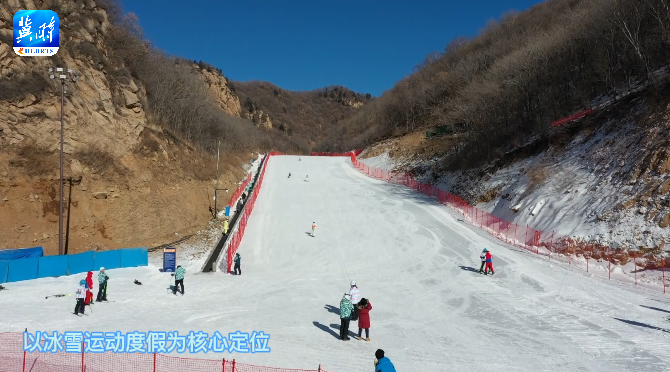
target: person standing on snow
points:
(236, 260)
(313, 228)
(102, 285)
(89, 289)
(355, 295)
(364, 307)
(179, 280)
(345, 316)
(489, 262)
(382, 363)
(80, 294)
(483, 258)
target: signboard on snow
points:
(169, 259)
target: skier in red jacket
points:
(489, 262)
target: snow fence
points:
(15, 359)
(236, 233)
(644, 268)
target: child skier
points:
(483, 258)
(179, 280)
(80, 293)
(489, 262)
(313, 228)
(89, 289)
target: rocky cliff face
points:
(219, 88)
(132, 183)
(91, 115)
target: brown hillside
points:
(140, 134)
(520, 74)
(305, 115)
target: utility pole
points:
(216, 189)
(62, 74)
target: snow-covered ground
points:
(412, 258)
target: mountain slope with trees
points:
(510, 82)
(304, 115)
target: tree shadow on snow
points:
(468, 268)
(332, 309)
(325, 328)
(632, 322)
(655, 308)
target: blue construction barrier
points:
(4, 268)
(108, 259)
(52, 266)
(23, 269)
(15, 270)
(131, 257)
(15, 254)
(80, 262)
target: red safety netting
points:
(572, 117)
(236, 239)
(240, 190)
(544, 243)
(349, 153)
(14, 359)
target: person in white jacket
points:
(355, 295)
(80, 293)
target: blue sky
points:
(366, 46)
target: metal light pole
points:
(216, 188)
(62, 74)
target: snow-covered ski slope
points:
(414, 260)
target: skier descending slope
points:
(313, 228)
(307, 178)
(489, 262)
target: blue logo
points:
(36, 33)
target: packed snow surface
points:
(412, 258)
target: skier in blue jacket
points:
(383, 364)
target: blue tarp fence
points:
(33, 267)
(52, 266)
(15, 254)
(23, 269)
(4, 269)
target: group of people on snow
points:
(487, 262)
(84, 291)
(353, 307)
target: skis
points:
(58, 295)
